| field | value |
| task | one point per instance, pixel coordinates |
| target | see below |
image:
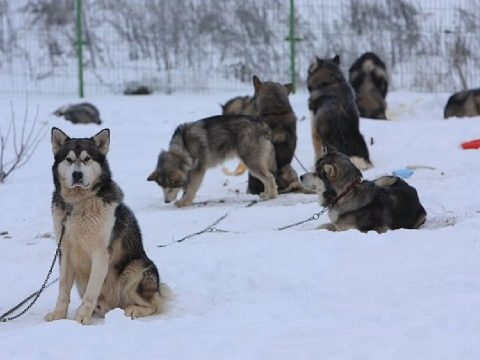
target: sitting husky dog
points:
(101, 244)
(205, 143)
(368, 77)
(273, 106)
(335, 119)
(463, 104)
(82, 113)
(385, 203)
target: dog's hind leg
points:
(196, 178)
(268, 180)
(143, 291)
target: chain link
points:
(36, 295)
(315, 216)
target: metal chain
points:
(210, 228)
(298, 160)
(36, 295)
(311, 218)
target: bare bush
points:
(21, 143)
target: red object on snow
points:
(473, 144)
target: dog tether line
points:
(4, 317)
(209, 229)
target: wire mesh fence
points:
(196, 45)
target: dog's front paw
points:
(183, 202)
(56, 315)
(265, 195)
(84, 315)
(329, 227)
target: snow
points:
(254, 292)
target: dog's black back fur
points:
(458, 104)
(397, 206)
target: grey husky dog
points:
(101, 248)
(273, 107)
(206, 143)
(82, 113)
(368, 77)
(386, 203)
(335, 118)
(463, 104)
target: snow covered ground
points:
(254, 292)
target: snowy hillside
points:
(254, 292)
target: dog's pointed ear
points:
(58, 139)
(336, 59)
(257, 84)
(102, 140)
(319, 61)
(289, 88)
(329, 170)
(153, 176)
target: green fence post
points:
(79, 47)
(292, 40)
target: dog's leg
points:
(196, 178)
(67, 277)
(316, 139)
(328, 226)
(360, 163)
(269, 184)
(98, 273)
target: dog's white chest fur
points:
(88, 230)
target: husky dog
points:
(240, 105)
(463, 104)
(82, 113)
(273, 106)
(335, 119)
(101, 249)
(368, 77)
(205, 143)
(386, 203)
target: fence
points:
(196, 45)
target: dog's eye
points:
(87, 159)
(69, 160)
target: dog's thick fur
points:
(239, 105)
(463, 104)
(386, 203)
(101, 249)
(334, 115)
(369, 79)
(82, 113)
(205, 143)
(273, 107)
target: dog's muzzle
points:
(77, 178)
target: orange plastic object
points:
(473, 144)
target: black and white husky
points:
(386, 203)
(101, 248)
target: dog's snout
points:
(167, 201)
(77, 177)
